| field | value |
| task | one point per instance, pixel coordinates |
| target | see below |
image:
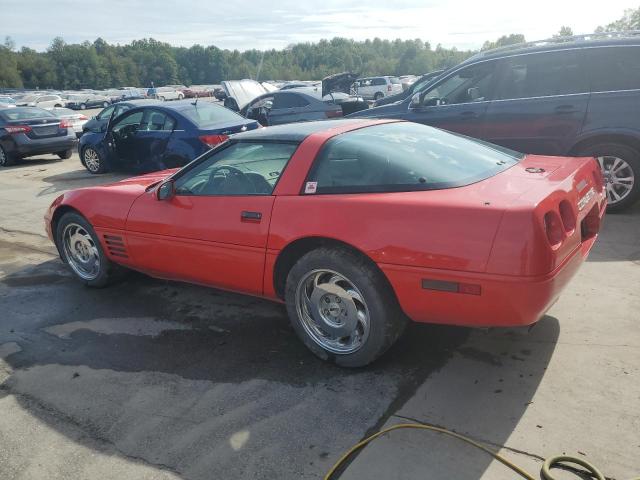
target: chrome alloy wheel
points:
(81, 252)
(91, 160)
(332, 311)
(618, 177)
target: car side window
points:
(289, 100)
(130, 122)
(471, 84)
(244, 168)
(541, 75)
(154, 120)
(614, 68)
(378, 81)
(106, 113)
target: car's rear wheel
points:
(180, 97)
(162, 99)
(5, 159)
(620, 166)
(83, 106)
(66, 154)
(93, 161)
(342, 307)
(81, 251)
(378, 96)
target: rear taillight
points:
(553, 228)
(388, 88)
(82, 117)
(16, 129)
(333, 113)
(567, 216)
(213, 140)
(65, 124)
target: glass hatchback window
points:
(405, 157)
(245, 168)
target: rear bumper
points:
(26, 147)
(504, 300)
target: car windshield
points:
(405, 156)
(206, 115)
(25, 113)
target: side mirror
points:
(166, 190)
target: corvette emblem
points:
(586, 198)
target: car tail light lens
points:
(388, 88)
(83, 117)
(16, 129)
(567, 216)
(213, 140)
(333, 113)
(553, 228)
(66, 123)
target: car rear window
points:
(405, 156)
(395, 81)
(206, 115)
(25, 113)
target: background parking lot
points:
(154, 379)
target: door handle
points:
(250, 216)
(565, 109)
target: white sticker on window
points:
(311, 187)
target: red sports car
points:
(356, 225)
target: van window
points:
(289, 100)
(614, 68)
(470, 84)
(541, 75)
(378, 81)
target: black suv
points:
(578, 97)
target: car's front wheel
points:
(378, 96)
(620, 167)
(81, 251)
(83, 106)
(5, 159)
(93, 161)
(105, 104)
(342, 307)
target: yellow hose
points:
(546, 467)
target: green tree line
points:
(99, 64)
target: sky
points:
(247, 24)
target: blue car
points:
(156, 137)
(575, 96)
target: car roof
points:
(297, 132)
(553, 44)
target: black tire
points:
(108, 271)
(91, 166)
(386, 319)
(629, 155)
(66, 154)
(83, 106)
(6, 159)
(378, 96)
(180, 97)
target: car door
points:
(289, 108)
(214, 229)
(457, 102)
(120, 139)
(151, 139)
(541, 102)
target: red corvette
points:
(356, 225)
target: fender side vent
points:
(115, 246)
